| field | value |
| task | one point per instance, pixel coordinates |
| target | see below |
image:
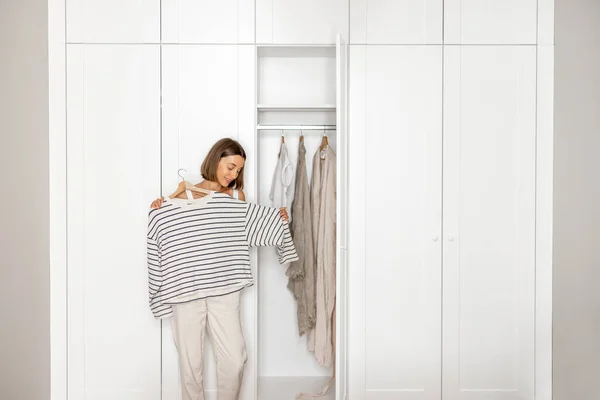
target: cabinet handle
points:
(451, 238)
(435, 238)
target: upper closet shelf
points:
(269, 107)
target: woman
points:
(198, 263)
(224, 176)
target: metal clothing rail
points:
(296, 127)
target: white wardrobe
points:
(450, 141)
(440, 114)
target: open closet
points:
(300, 98)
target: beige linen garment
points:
(323, 211)
(301, 273)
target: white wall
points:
(576, 200)
(24, 225)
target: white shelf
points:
(270, 107)
(286, 388)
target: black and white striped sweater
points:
(200, 248)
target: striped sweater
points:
(201, 248)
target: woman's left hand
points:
(284, 214)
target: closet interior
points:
(296, 100)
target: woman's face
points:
(229, 169)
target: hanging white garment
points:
(323, 210)
(282, 179)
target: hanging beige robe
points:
(301, 273)
(323, 211)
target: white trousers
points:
(221, 315)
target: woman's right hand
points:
(283, 213)
(157, 203)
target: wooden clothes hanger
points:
(180, 189)
(324, 142)
(282, 142)
(185, 185)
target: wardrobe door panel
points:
(208, 21)
(204, 101)
(341, 308)
(357, 60)
(394, 248)
(395, 22)
(113, 153)
(113, 21)
(490, 21)
(489, 222)
(300, 21)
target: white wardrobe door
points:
(208, 21)
(490, 21)
(341, 305)
(207, 95)
(300, 21)
(113, 21)
(489, 222)
(394, 248)
(113, 156)
(396, 22)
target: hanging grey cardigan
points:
(301, 273)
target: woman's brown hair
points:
(223, 148)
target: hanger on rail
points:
(282, 143)
(325, 140)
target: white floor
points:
(286, 388)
